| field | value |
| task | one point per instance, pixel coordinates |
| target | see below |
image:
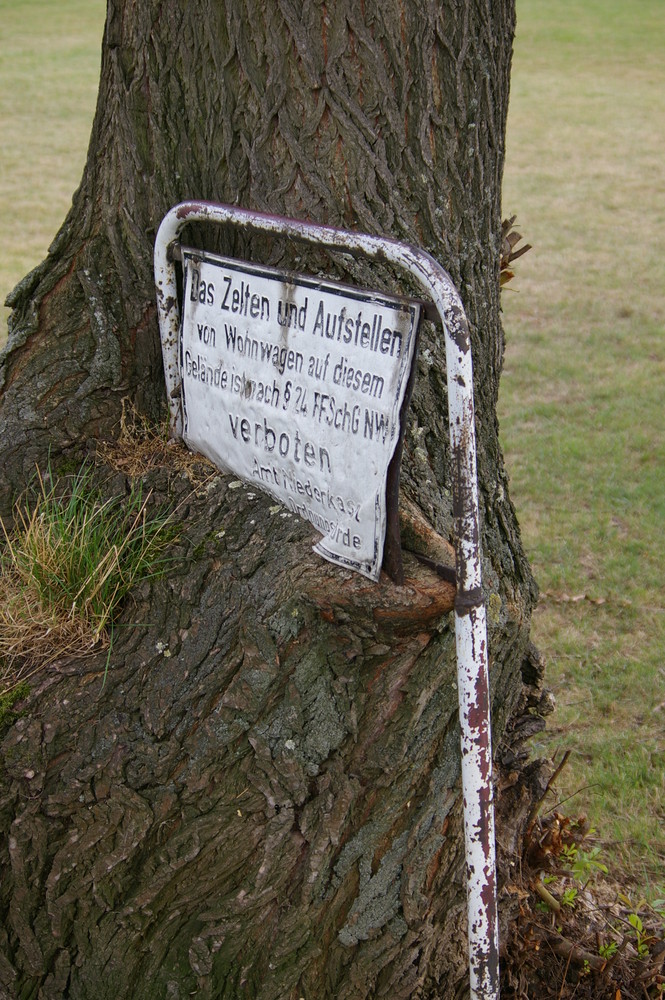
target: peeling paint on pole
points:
(470, 616)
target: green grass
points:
(583, 394)
(49, 72)
(66, 568)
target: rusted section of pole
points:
(470, 617)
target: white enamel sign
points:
(295, 385)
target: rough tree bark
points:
(264, 798)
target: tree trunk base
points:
(263, 798)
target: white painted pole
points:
(470, 618)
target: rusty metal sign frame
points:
(470, 613)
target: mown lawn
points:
(49, 72)
(583, 397)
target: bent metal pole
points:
(470, 617)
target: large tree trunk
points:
(264, 799)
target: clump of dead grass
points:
(142, 445)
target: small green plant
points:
(568, 853)
(641, 935)
(586, 864)
(608, 950)
(67, 566)
(569, 896)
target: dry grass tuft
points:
(32, 635)
(73, 556)
(66, 567)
